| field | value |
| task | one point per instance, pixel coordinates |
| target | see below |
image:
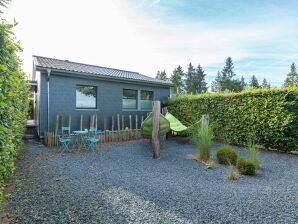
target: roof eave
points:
(104, 77)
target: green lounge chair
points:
(146, 127)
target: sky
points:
(144, 36)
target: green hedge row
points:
(267, 116)
(13, 101)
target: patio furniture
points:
(64, 139)
(92, 140)
(79, 139)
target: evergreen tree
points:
(228, 70)
(265, 84)
(189, 81)
(224, 81)
(254, 82)
(199, 80)
(243, 83)
(215, 86)
(177, 80)
(292, 77)
(161, 75)
(3, 3)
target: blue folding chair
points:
(64, 139)
(92, 140)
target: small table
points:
(79, 139)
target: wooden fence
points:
(118, 133)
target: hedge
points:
(267, 116)
(13, 101)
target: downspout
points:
(48, 103)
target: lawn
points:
(123, 184)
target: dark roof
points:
(69, 66)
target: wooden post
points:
(142, 119)
(81, 122)
(136, 122)
(155, 129)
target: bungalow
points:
(70, 88)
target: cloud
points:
(128, 35)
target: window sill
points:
(88, 109)
(129, 109)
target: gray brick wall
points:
(109, 100)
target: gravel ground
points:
(123, 184)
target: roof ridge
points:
(87, 64)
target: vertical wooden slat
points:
(113, 137)
(122, 122)
(142, 119)
(62, 121)
(137, 121)
(130, 122)
(81, 122)
(118, 127)
(69, 121)
(96, 121)
(57, 123)
(105, 124)
(90, 122)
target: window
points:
(129, 99)
(146, 99)
(86, 97)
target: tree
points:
(292, 77)
(161, 75)
(215, 86)
(265, 84)
(189, 84)
(199, 80)
(228, 70)
(224, 81)
(3, 3)
(243, 83)
(254, 82)
(177, 80)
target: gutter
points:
(48, 94)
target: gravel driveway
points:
(123, 184)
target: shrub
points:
(246, 167)
(226, 155)
(254, 155)
(202, 136)
(239, 116)
(13, 102)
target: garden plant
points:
(254, 155)
(226, 155)
(246, 167)
(202, 136)
(13, 101)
